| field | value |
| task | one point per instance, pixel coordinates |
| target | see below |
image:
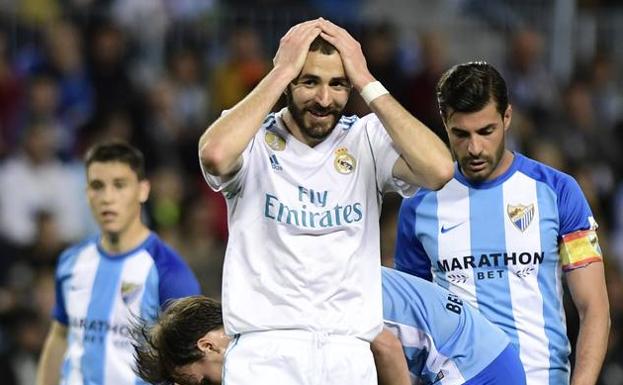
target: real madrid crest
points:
(520, 215)
(344, 162)
(274, 141)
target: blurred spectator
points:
(532, 89)
(75, 94)
(32, 181)
(165, 204)
(147, 22)
(190, 104)
(585, 143)
(421, 97)
(241, 70)
(109, 68)
(28, 333)
(201, 246)
(606, 96)
(35, 13)
(10, 98)
(380, 44)
(42, 106)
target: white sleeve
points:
(232, 183)
(385, 155)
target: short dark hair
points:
(117, 151)
(172, 342)
(320, 44)
(468, 87)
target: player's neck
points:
(125, 240)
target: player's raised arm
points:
(221, 145)
(424, 160)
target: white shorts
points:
(298, 357)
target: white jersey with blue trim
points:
(445, 340)
(99, 297)
(496, 244)
(303, 249)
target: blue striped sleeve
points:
(175, 279)
(410, 256)
(573, 208)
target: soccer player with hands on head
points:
(301, 279)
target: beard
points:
(491, 163)
(317, 131)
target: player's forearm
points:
(426, 155)
(222, 144)
(591, 346)
(391, 365)
(49, 368)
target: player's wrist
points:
(373, 90)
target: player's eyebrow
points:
(461, 130)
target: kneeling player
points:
(444, 340)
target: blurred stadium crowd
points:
(155, 72)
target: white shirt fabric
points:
(303, 249)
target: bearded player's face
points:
(316, 99)
(477, 141)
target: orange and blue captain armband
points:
(579, 249)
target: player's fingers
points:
(296, 29)
(334, 29)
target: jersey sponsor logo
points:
(486, 264)
(520, 215)
(95, 331)
(344, 162)
(445, 229)
(130, 291)
(274, 141)
(311, 210)
(339, 215)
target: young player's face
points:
(477, 141)
(115, 195)
(316, 99)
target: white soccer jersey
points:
(303, 249)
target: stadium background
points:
(155, 72)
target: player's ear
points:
(507, 117)
(205, 343)
(144, 188)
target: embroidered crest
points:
(520, 215)
(344, 162)
(275, 141)
(129, 291)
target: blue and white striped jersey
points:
(99, 297)
(445, 341)
(497, 244)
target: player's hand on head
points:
(294, 46)
(350, 50)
